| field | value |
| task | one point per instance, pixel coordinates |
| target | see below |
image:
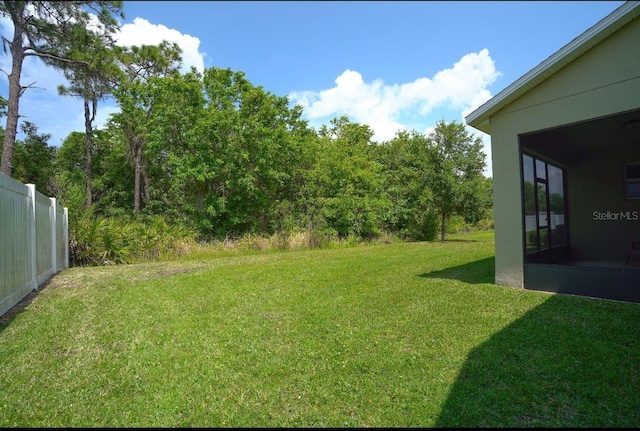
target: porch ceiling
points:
(570, 145)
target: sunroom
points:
(565, 144)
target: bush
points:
(424, 227)
(98, 240)
(456, 224)
(485, 224)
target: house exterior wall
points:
(604, 81)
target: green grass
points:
(398, 335)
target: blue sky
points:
(389, 64)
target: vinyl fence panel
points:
(16, 229)
(34, 238)
(44, 238)
(62, 232)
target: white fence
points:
(34, 240)
(530, 221)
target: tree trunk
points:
(146, 194)
(138, 171)
(200, 201)
(15, 91)
(443, 227)
(89, 150)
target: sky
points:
(392, 65)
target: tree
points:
(345, 185)
(457, 183)
(44, 29)
(133, 95)
(112, 174)
(170, 130)
(91, 77)
(70, 171)
(34, 160)
(407, 172)
(238, 156)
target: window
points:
(544, 207)
(557, 209)
(632, 181)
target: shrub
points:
(98, 240)
(424, 227)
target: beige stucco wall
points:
(604, 81)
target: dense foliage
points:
(212, 156)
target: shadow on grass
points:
(14, 311)
(477, 272)
(568, 362)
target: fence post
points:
(32, 236)
(66, 237)
(54, 236)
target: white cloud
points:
(462, 87)
(388, 109)
(142, 32)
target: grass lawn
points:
(397, 335)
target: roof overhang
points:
(574, 49)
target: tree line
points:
(220, 155)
